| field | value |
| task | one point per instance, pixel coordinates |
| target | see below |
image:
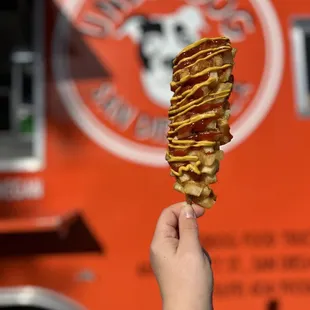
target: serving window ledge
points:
(59, 234)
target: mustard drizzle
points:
(189, 121)
(178, 109)
(199, 74)
(189, 93)
(197, 43)
(191, 105)
(220, 50)
(205, 51)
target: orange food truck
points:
(84, 90)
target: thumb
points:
(188, 229)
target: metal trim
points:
(37, 297)
(37, 161)
(39, 84)
(301, 27)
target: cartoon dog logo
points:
(160, 38)
(132, 124)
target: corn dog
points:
(202, 83)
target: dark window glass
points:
(308, 58)
(10, 5)
(22, 308)
(16, 28)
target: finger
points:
(207, 256)
(199, 211)
(188, 229)
(167, 224)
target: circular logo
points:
(112, 66)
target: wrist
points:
(187, 306)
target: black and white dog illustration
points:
(160, 38)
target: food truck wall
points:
(84, 96)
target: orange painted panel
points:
(107, 94)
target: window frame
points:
(35, 162)
(300, 28)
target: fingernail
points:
(189, 212)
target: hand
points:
(182, 268)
